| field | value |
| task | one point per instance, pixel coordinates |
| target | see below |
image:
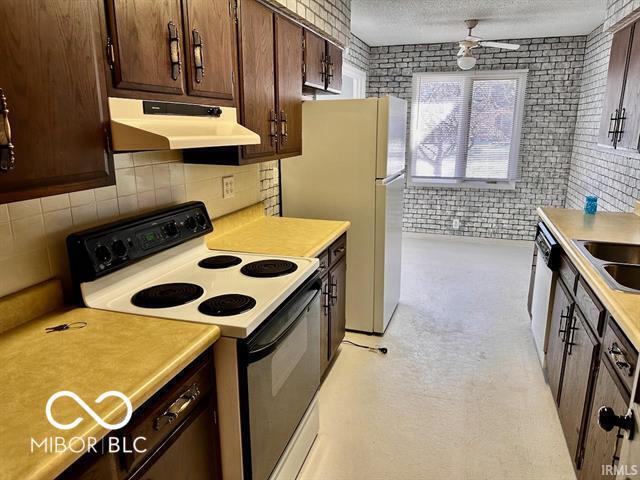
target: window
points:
(465, 127)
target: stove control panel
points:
(105, 249)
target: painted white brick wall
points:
(330, 17)
(358, 53)
(618, 11)
(553, 88)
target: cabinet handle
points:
(198, 59)
(619, 358)
(177, 407)
(284, 127)
(327, 297)
(330, 68)
(323, 67)
(338, 251)
(7, 155)
(273, 127)
(562, 331)
(174, 50)
(333, 295)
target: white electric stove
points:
(268, 308)
(208, 287)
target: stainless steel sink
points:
(618, 263)
(626, 275)
(614, 252)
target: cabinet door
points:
(631, 101)
(56, 97)
(258, 77)
(561, 314)
(601, 447)
(147, 44)
(338, 297)
(334, 68)
(581, 360)
(314, 55)
(289, 81)
(210, 40)
(324, 325)
(615, 82)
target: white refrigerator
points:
(352, 168)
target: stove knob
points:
(171, 229)
(103, 254)
(118, 248)
(201, 219)
(190, 223)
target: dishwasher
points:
(544, 284)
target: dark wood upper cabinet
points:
(602, 447)
(209, 27)
(56, 97)
(580, 363)
(560, 318)
(257, 67)
(322, 70)
(334, 68)
(289, 86)
(146, 40)
(631, 99)
(620, 121)
(314, 60)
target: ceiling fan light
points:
(466, 61)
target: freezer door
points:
(392, 137)
(388, 249)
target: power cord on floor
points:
(376, 349)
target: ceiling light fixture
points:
(466, 60)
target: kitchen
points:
(241, 240)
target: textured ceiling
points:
(397, 22)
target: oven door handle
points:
(264, 350)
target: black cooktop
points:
(269, 268)
(227, 305)
(219, 261)
(167, 295)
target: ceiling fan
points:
(466, 60)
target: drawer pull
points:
(338, 251)
(562, 328)
(177, 407)
(619, 359)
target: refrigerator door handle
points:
(391, 178)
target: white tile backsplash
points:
(33, 232)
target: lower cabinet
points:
(601, 447)
(561, 313)
(333, 271)
(580, 364)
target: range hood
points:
(138, 125)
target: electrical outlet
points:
(228, 187)
(456, 223)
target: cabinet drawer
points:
(568, 273)
(590, 307)
(182, 396)
(620, 352)
(337, 249)
(323, 268)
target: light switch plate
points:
(228, 187)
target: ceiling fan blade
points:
(471, 38)
(506, 46)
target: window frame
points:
(520, 76)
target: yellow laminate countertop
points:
(131, 354)
(568, 225)
(296, 237)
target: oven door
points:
(282, 376)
